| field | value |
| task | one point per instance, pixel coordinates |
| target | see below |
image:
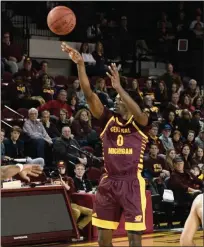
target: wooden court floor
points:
(164, 238)
(169, 238)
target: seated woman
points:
(100, 67)
(101, 90)
(72, 101)
(135, 92)
(82, 129)
(64, 120)
(44, 88)
(76, 89)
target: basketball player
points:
(193, 222)
(123, 188)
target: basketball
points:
(61, 20)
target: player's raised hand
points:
(114, 76)
(73, 54)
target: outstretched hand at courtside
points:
(30, 170)
(114, 76)
(73, 54)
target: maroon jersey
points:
(123, 144)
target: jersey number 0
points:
(120, 140)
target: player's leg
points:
(135, 238)
(134, 206)
(107, 212)
(105, 237)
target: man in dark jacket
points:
(184, 184)
(64, 149)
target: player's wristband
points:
(20, 166)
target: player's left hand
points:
(114, 76)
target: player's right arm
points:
(95, 105)
(191, 225)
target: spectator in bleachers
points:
(155, 170)
(82, 128)
(44, 88)
(20, 93)
(153, 138)
(165, 138)
(81, 184)
(198, 158)
(54, 106)
(170, 155)
(50, 127)
(37, 133)
(76, 89)
(100, 66)
(28, 73)
(161, 94)
(11, 53)
(148, 90)
(44, 70)
(101, 91)
(154, 110)
(196, 21)
(171, 120)
(177, 142)
(197, 118)
(186, 156)
(164, 20)
(64, 120)
(199, 141)
(191, 90)
(190, 140)
(72, 101)
(182, 25)
(185, 123)
(14, 148)
(135, 92)
(4, 158)
(174, 89)
(82, 215)
(63, 150)
(86, 55)
(183, 183)
(173, 104)
(170, 77)
(93, 32)
(186, 103)
(199, 105)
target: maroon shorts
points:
(117, 195)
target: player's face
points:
(119, 106)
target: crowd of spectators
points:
(57, 122)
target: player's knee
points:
(76, 213)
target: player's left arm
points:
(133, 107)
(191, 225)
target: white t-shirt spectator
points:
(88, 58)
